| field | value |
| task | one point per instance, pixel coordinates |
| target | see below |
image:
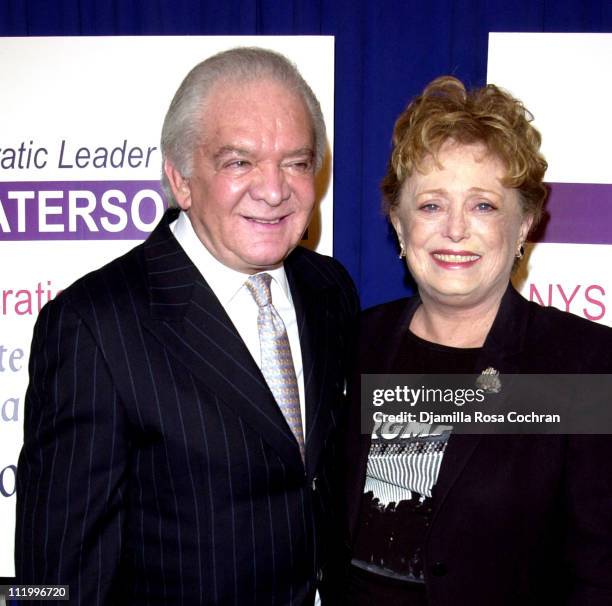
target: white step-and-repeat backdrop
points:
(80, 120)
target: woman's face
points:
(460, 227)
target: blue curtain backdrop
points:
(386, 51)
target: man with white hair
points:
(184, 400)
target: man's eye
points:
(300, 165)
(238, 164)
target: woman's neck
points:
(454, 326)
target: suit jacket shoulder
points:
(110, 281)
(314, 270)
(135, 274)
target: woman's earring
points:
(402, 253)
(520, 252)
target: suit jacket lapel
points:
(191, 322)
(316, 325)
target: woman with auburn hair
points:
(474, 520)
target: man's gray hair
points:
(182, 129)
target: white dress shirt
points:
(239, 304)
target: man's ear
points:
(179, 185)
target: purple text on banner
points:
(577, 213)
(79, 210)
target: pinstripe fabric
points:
(157, 467)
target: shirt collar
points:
(224, 281)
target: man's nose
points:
(270, 185)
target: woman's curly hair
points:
(489, 115)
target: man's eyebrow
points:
(302, 151)
(233, 150)
(228, 150)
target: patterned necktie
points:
(276, 360)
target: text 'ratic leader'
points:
(31, 156)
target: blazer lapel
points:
(311, 299)
(501, 351)
(192, 324)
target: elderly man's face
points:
(251, 192)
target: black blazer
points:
(517, 520)
(157, 467)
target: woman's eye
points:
(429, 207)
(485, 206)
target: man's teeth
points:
(456, 258)
(271, 222)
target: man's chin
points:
(269, 257)
(257, 264)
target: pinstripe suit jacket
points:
(157, 467)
